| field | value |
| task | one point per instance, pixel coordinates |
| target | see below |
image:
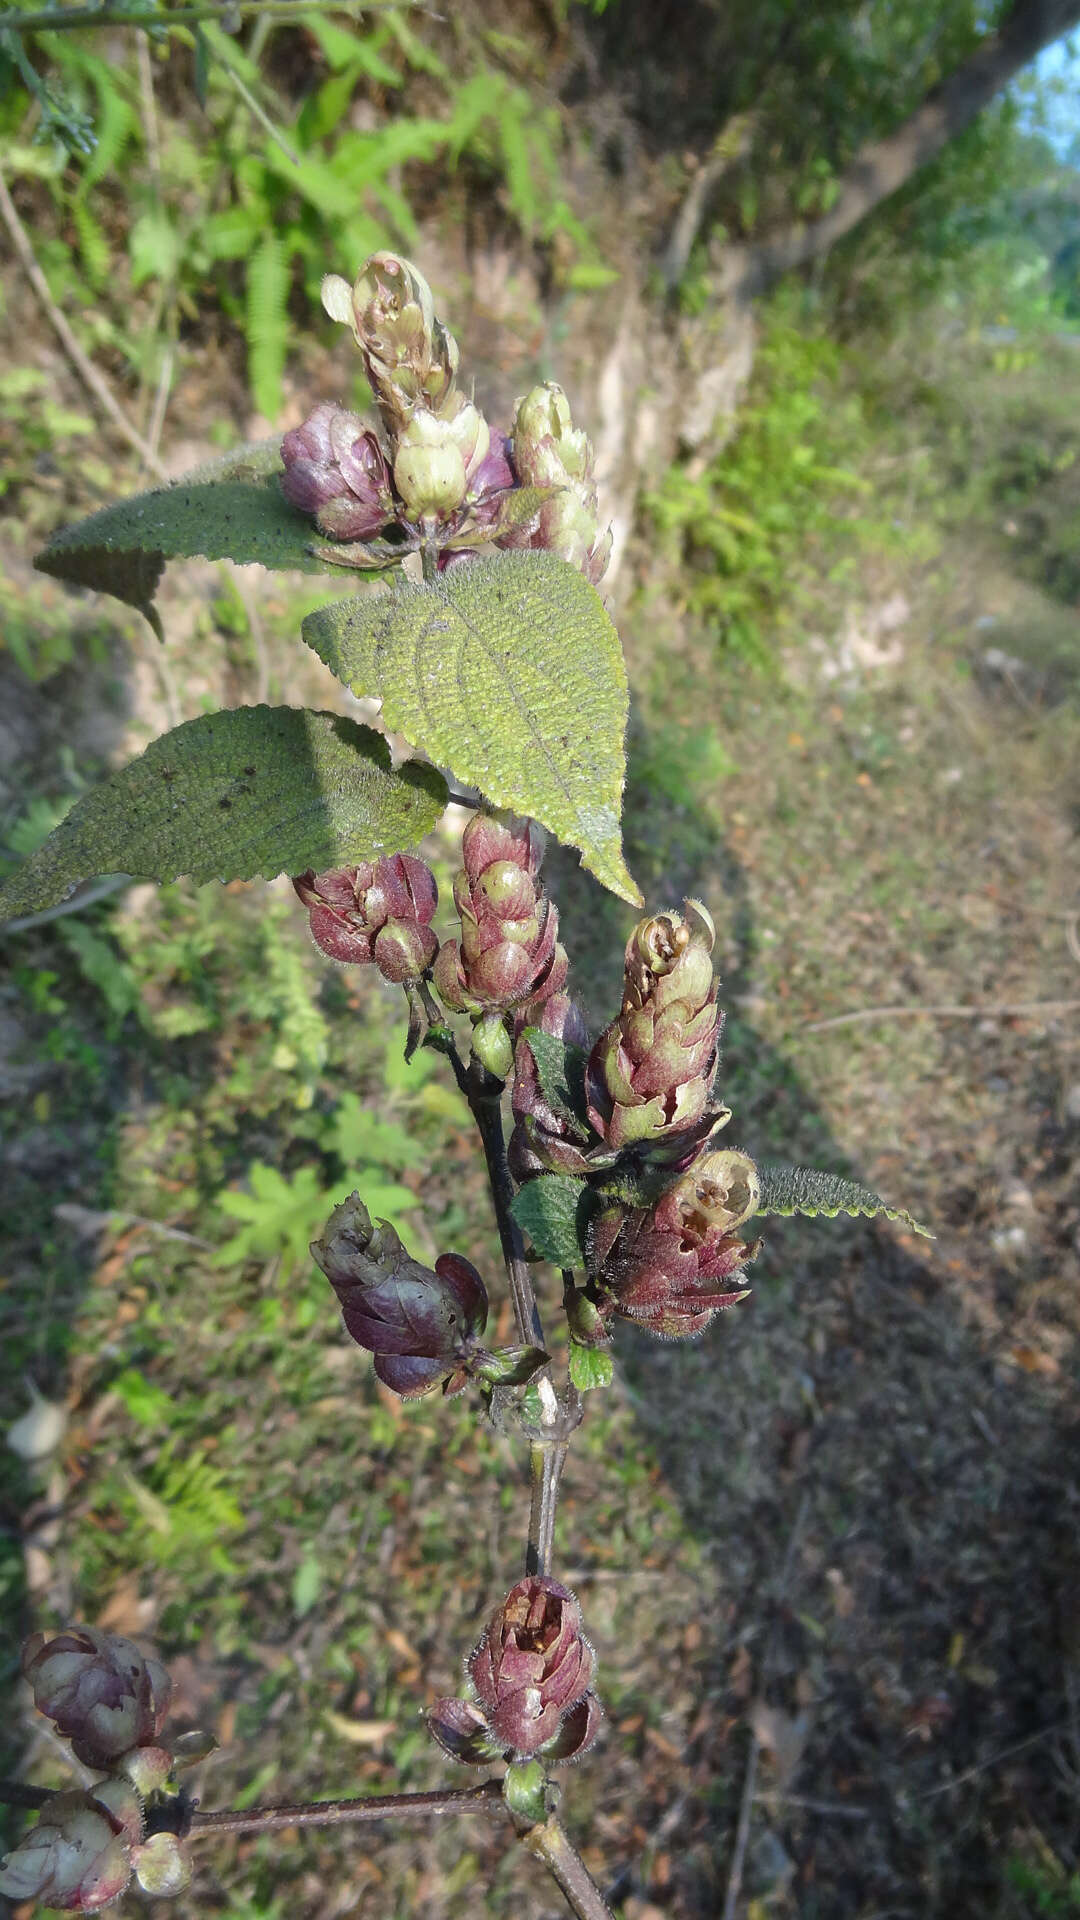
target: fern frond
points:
(267, 322)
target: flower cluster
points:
(443, 478)
(110, 1701)
(509, 952)
(670, 1267)
(530, 1678)
(377, 914)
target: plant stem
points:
(546, 1461)
(14, 1794)
(483, 1091)
(550, 1844)
(484, 1094)
(329, 1813)
(316, 1813)
(51, 19)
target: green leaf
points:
(590, 1367)
(155, 247)
(228, 509)
(549, 1210)
(560, 1069)
(277, 1215)
(525, 1791)
(266, 298)
(307, 1584)
(258, 790)
(510, 672)
(788, 1190)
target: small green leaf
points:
(788, 1190)
(307, 1585)
(590, 1367)
(228, 509)
(256, 790)
(509, 672)
(549, 1210)
(510, 1366)
(525, 1791)
(560, 1069)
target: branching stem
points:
(550, 1844)
(483, 1091)
(330, 1813)
(176, 1817)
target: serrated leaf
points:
(549, 1210)
(258, 790)
(590, 1367)
(560, 1069)
(228, 509)
(509, 672)
(788, 1190)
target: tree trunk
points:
(884, 166)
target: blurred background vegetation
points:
(843, 1527)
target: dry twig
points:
(1005, 1010)
(84, 367)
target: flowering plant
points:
(495, 657)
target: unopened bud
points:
(78, 1855)
(99, 1691)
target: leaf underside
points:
(258, 790)
(227, 509)
(509, 672)
(549, 1209)
(789, 1190)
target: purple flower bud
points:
(335, 469)
(508, 953)
(99, 1690)
(651, 1071)
(78, 1855)
(422, 1327)
(531, 1674)
(378, 914)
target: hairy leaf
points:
(560, 1069)
(509, 672)
(549, 1210)
(259, 790)
(790, 1190)
(229, 509)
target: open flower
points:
(377, 913)
(531, 1675)
(423, 1327)
(99, 1690)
